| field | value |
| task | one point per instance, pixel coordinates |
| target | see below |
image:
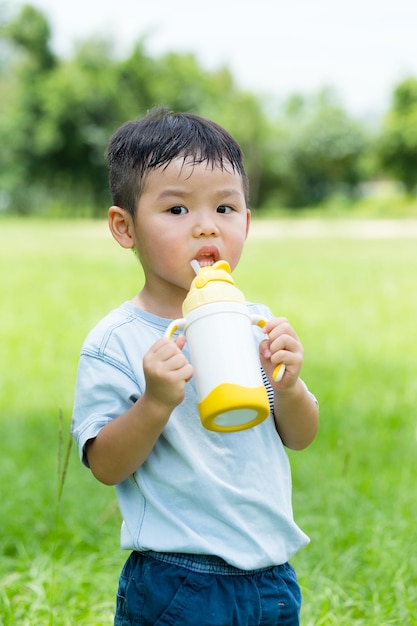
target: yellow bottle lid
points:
(213, 283)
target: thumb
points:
(180, 341)
(265, 357)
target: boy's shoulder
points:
(122, 328)
(114, 319)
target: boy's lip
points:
(207, 255)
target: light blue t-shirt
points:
(198, 492)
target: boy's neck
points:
(170, 308)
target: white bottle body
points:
(226, 365)
(222, 346)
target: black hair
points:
(157, 139)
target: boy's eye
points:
(178, 210)
(223, 208)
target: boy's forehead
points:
(180, 174)
(184, 171)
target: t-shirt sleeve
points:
(103, 391)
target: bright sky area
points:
(361, 48)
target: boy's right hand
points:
(123, 444)
(166, 371)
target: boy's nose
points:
(205, 227)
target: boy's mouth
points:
(207, 256)
(205, 262)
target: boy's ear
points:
(248, 216)
(121, 226)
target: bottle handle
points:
(175, 325)
(279, 371)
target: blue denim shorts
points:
(163, 589)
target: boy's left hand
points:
(281, 346)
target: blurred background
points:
(322, 97)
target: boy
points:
(207, 516)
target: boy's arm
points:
(296, 411)
(125, 442)
(296, 416)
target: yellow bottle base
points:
(230, 408)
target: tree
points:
(79, 105)
(65, 111)
(57, 117)
(31, 31)
(312, 152)
(26, 55)
(397, 147)
(62, 115)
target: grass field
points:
(353, 301)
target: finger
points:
(180, 341)
(164, 349)
(285, 342)
(283, 329)
(274, 323)
(265, 349)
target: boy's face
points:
(188, 211)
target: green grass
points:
(354, 304)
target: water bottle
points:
(227, 370)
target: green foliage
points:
(354, 303)
(398, 143)
(31, 31)
(58, 114)
(62, 118)
(314, 152)
(59, 128)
